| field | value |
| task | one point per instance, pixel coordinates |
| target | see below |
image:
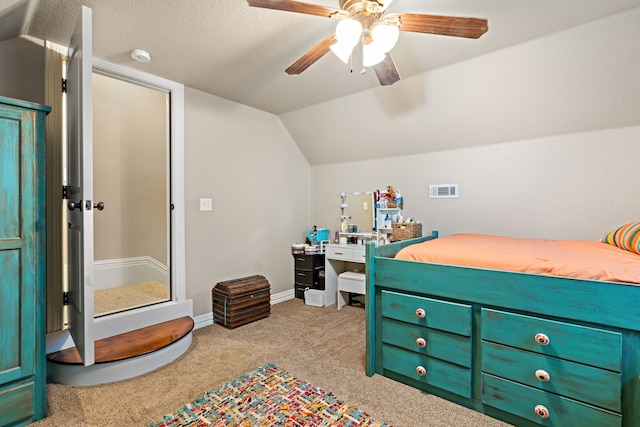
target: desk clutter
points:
(326, 271)
(405, 230)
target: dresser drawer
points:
(307, 278)
(358, 253)
(527, 402)
(308, 262)
(338, 252)
(562, 377)
(443, 345)
(443, 315)
(595, 347)
(438, 373)
(355, 253)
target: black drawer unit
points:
(308, 273)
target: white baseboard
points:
(203, 320)
(111, 273)
(207, 319)
(283, 296)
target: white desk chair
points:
(350, 282)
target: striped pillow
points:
(626, 237)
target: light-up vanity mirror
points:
(358, 213)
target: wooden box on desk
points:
(241, 301)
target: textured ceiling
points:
(226, 48)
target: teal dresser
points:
(22, 262)
(526, 349)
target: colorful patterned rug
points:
(268, 396)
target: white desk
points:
(337, 258)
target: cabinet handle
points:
(541, 411)
(421, 313)
(421, 370)
(542, 339)
(339, 253)
(421, 342)
(302, 274)
(300, 259)
(543, 375)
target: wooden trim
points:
(130, 344)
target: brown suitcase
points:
(241, 301)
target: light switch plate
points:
(206, 204)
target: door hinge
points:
(64, 85)
(65, 298)
(65, 192)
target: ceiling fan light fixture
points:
(371, 55)
(342, 51)
(376, 43)
(385, 3)
(385, 36)
(349, 31)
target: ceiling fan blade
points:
(442, 25)
(316, 52)
(295, 6)
(386, 71)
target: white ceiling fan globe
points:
(384, 36)
(348, 33)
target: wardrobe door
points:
(22, 267)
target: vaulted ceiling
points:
(238, 52)
(544, 68)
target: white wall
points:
(542, 137)
(22, 69)
(573, 186)
(578, 80)
(244, 160)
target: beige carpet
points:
(128, 296)
(323, 346)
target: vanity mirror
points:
(358, 210)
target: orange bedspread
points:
(569, 258)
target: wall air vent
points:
(443, 191)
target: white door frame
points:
(178, 306)
(176, 91)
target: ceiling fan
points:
(365, 22)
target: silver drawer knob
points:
(421, 370)
(543, 375)
(541, 411)
(421, 313)
(542, 339)
(421, 342)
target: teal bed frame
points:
(481, 341)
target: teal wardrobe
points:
(22, 262)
